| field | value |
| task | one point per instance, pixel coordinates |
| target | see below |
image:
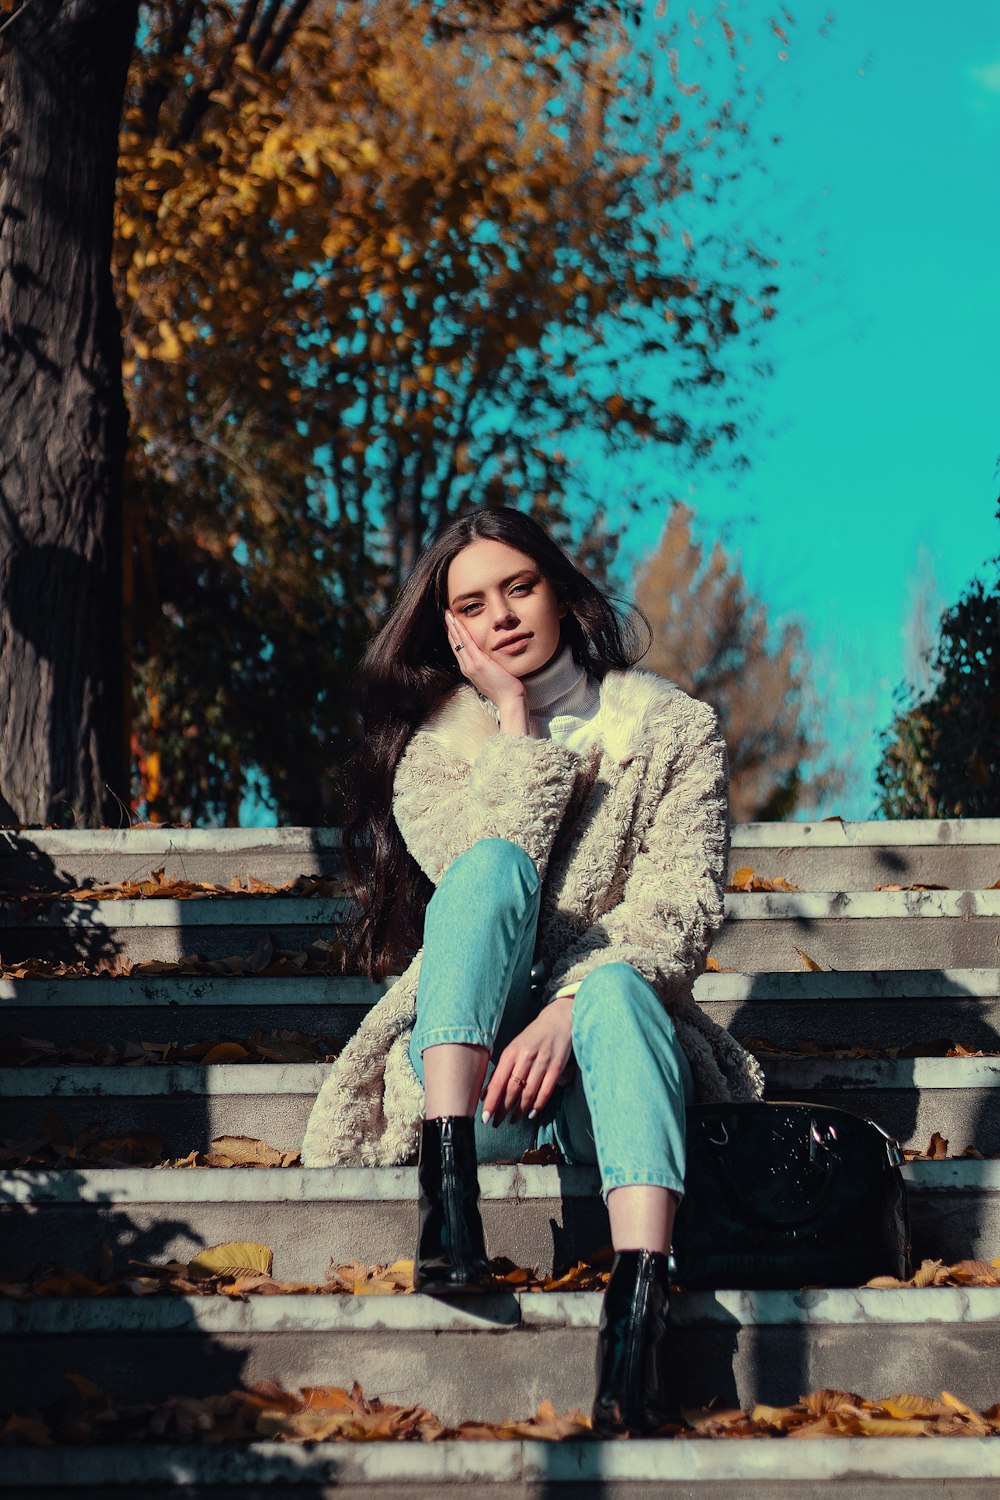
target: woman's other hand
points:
(489, 676)
(529, 1068)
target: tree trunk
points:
(62, 414)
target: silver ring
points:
(459, 648)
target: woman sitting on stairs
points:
(553, 825)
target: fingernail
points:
(532, 1113)
(486, 1116)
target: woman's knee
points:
(616, 996)
(497, 865)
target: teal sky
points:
(874, 458)
(875, 443)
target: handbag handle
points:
(769, 1211)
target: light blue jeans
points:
(622, 1108)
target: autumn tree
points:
(62, 417)
(711, 636)
(373, 276)
(941, 754)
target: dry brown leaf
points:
(329, 1398)
(274, 1046)
(29, 1430)
(935, 1273)
(321, 957)
(916, 887)
(973, 1273)
(975, 1421)
(156, 886)
(225, 1052)
(780, 1418)
(821, 1403)
(906, 1405)
(66, 1282)
(235, 1258)
(746, 879)
(246, 1151)
(723, 1422)
(810, 963)
(336, 1414)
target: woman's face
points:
(508, 606)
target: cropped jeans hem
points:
(614, 1180)
(452, 1035)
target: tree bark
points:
(63, 422)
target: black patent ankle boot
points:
(631, 1345)
(451, 1254)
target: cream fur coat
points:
(631, 837)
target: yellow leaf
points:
(235, 1258)
(226, 1052)
(810, 963)
(906, 1405)
(892, 1427)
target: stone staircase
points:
(907, 967)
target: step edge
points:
(493, 1315)
(693, 1461)
(111, 1187)
(227, 1080)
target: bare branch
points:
(271, 54)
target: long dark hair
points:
(406, 672)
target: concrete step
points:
(818, 856)
(851, 1468)
(164, 930)
(858, 1008)
(187, 1105)
(963, 853)
(182, 1009)
(51, 859)
(850, 1008)
(860, 930)
(496, 1357)
(536, 1216)
(839, 929)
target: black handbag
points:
(789, 1195)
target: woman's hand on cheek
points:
(528, 1070)
(482, 670)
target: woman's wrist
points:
(514, 717)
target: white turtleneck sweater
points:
(562, 699)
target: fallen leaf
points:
(246, 1151)
(746, 879)
(906, 1405)
(225, 1052)
(156, 886)
(810, 963)
(936, 1273)
(236, 1258)
(916, 887)
(333, 1413)
(29, 1429)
